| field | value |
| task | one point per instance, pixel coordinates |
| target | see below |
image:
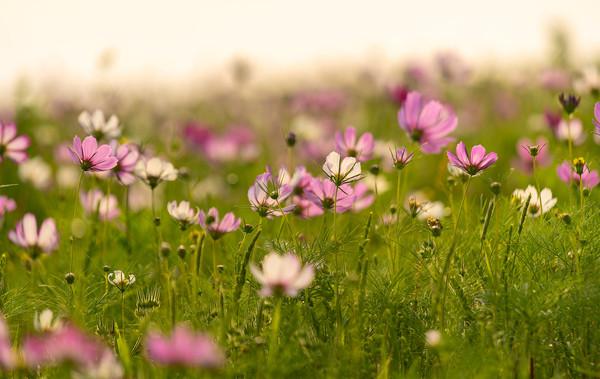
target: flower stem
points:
(273, 345)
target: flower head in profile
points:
(37, 172)
(341, 171)
(401, 158)
(215, 226)
(6, 205)
(327, 196)
(27, 235)
(578, 172)
(8, 357)
(474, 163)
(282, 275)
(571, 130)
(538, 203)
(118, 279)
(46, 322)
(268, 194)
(347, 144)
(11, 145)
(183, 213)
(90, 156)
(96, 203)
(96, 125)
(427, 122)
(419, 206)
(596, 119)
(528, 150)
(184, 348)
(155, 171)
(127, 156)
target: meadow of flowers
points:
(438, 223)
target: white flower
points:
(282, 274)
(341, 171)
(108, 367)
(67, 176)
(96, 125)
(155, 171)
(183, 213)
(589, 81)
(433, 338)
(37, 172)
(45, 321)
(571, 130)
(539, 204)
(119, 280)
(418, 205)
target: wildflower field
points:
(438, 223)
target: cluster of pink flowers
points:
(236, 144)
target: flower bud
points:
(106, 268)
(495, 187)
(374, 170)
(569, 102)
(435, 226)
(70, 278)
(165, 249)
(181, 251)
(247, 228)
(290, 140)
(157, 221)
(565, 217)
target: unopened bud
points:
(70, 278)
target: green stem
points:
(273, 342)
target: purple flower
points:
(596, 119)
(327, 196)
(268, 194)
(427, 122)
(218, 227)
(184, 348)
(11, 145)
(237, 144)
(347, 144)
(552, 119)
(282, 275)
(567, 173)
(27, 235)
(363, 197)
(526, 149)
(127, 156)
(397, 93)
(6, 205)
(474, 163)
(90, 156)
(401, 158)
(67, 344)
(95, 203)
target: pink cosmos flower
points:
(323, 194)
(589, 179)
(525, 147)
(184, 348)
(127, 156)
(363, 197)
(427, 122)
(347, 144)
(401, 158)
(268, 194)
(474, 163)
(552, 119)
(572, 130)
(92, 157)
(282, 275)
(97, 204)
(11, 145)
(218, 227)
(397, 93)
(305, 208)
(596, 119)
(26, 235)
(6, 205)
(320, 101)
(8, 358)
(299, 181)
(67, 344)
(237, 144)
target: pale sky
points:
(177, 37)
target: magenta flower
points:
(184, 348)
(347, 144)
(218, 227)
(397, 93)
(6, 205)
(282, 275)
(526, 149)
(401, 158)
(299, 181)
(127, 156)
(474, 163)
(363, 197)
(268, 194)
(67, 344)
(27, 235)
(596, 119)
(11, 145)
(323, 194)
(427, 122)
(237, 144)
(305, 208)
(589, 179)
(92, 157)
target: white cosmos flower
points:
(120, 280)
(183, 213)
(37, 172)
(155, 171)
(341, 171)
(571, 130)
(45, 321)
(96, 125)
(282, 275)
(539, 204)
(433, 338)
(422, 208)
(589, 81)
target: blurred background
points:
(177, 44)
